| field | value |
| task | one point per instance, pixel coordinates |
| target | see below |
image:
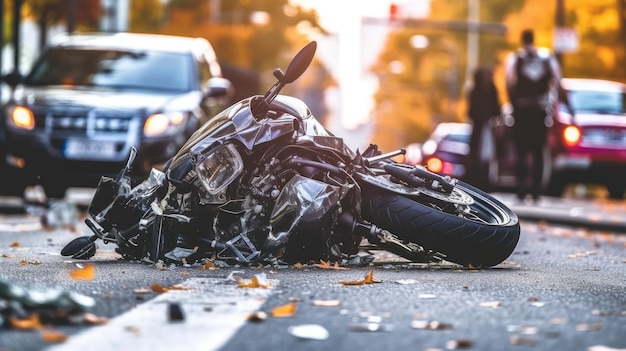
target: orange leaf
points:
(326, 265)
(92, 319)
(157, 288)
(30, 323)
(287, 310)
(86, 273)
(15, 244)
(369, 279)
(258, 281)
(53, 336)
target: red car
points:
(589, 147)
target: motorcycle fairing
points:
(303, 213)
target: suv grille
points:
(99, 122)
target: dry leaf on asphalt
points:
(287, 310)
(326, 265)
(30, 323)
(258, 281)
(92, 319)
(53, 336)
(157, 288)
(369, 279)
(88, 272)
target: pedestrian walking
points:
(483, 106)
(531, 73)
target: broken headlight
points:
(220, 168)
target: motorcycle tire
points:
(465, 241)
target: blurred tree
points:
(601, 29)
(422, 84)
(145, 16)
(253, 34)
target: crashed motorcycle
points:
(263, 182)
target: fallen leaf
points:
(15, 244)
(369, 279)
(258, 281)
(30, 323)
(53, 336)
(88, 272)
(208, 265)
(326, 265)
(297, 266)
(157, 288)
(287, 310)
(92, 319)
(326, 303)
(9, 256)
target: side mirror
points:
(13, 79)
(219, 87)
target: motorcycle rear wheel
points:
(484, 239)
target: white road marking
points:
(214, 309)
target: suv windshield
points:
(598, 101)
(113, 69)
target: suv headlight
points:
(22, 117)
(163, 123)
(220, 168)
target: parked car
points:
(589, 147)
(90, 98)
(447, 148)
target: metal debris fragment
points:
(309, 331)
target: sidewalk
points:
(597, 214)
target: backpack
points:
(533, 78)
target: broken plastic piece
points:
(309, 331)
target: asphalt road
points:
(562, 289)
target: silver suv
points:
(91, 97)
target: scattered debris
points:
(522, 341)
(27, 309)
(459, 344)
(490, 304)
(371, 327)
(407, 281)
(430, 325)
(60, 214)
(309, 331)
(175, 312)
(258, 316)
(589, 327)
(326, 303)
